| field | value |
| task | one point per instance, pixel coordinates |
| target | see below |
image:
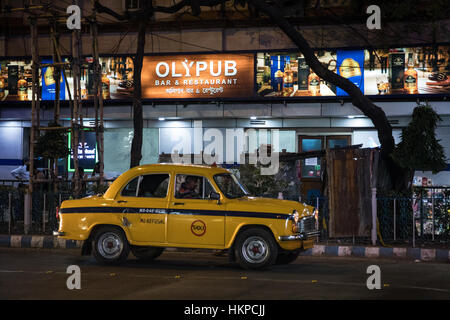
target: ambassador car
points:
(153, 207)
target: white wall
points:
(11, 148)
(369, 138)
(442, 178)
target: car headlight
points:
(295, 216)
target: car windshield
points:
(230, 186)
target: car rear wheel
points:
(255, 249)
(146, 253)
(110, 246)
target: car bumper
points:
(301, 236)
(59, 233)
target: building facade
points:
(227, 80)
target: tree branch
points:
(191, 3)
(375, 113)
(102, 9)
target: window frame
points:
(140, 177)
(338, 137)
(203, 186)
(322, 138)
(247, 193)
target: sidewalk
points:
(440, 255)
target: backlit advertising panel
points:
(198, 76)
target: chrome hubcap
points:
(110, 245)
(255, 250)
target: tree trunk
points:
(368, 108)
(136, 145)
(98, 99)
(57, 106)
(76, 183)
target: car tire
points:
(255, 248)
(146, 253)
(287, 257)
(110, 245)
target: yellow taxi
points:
(152, 207)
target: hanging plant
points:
(53, 143)
(419, 148)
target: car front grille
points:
(307, 224)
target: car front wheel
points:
(255, 249)
(110, 246)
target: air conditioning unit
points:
(132, 5)
(258, 122)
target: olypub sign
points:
(198, 76)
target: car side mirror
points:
(215, 196)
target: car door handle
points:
(178, 203)
(121, 201)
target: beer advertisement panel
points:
(395, 71)
(116, 79)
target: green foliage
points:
(98, 188)
(53, 143)
(260, 185)
(419, 148)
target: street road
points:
(41, 274)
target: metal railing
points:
(423, 218)
(44, 203)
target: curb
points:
(47, 242)
(441, 255)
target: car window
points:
(148, 186)
(131, 188)
(208, 188)
(153, 186)
(192, 187)
(230, 186)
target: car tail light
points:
(57, 213)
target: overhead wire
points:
(114, 50)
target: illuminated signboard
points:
(49, 85)
(395, 71)
(198, 76)
(87, 157)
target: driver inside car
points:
(188, 188)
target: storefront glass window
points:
(311, 145)
(118, 146)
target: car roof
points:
(191, 169)
(179, 167)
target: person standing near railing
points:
(83, 182)
(21, 173)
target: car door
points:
(194, 218)
(144, 200)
